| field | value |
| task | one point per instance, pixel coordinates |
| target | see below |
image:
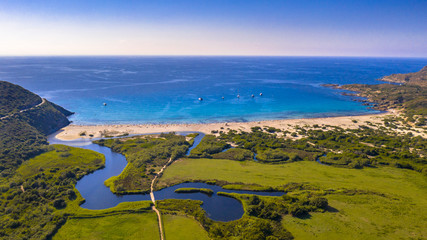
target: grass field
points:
(401, 213)
(62, 157)
(361, 217)
(127, 226)
(181, 227)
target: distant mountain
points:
(25, 121)
(417, 78)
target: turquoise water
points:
(166, 89)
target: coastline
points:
(72, 132)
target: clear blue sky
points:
(214, 27)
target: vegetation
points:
(410, 95)
(61, 157)
(354, 148)
(209, 145)
(361, 216)
(380, 187)
(18, 142)
(237, 154)
(22, 135)
(410, 98)
(417, 78)
(273, 208)
(369, 202)
(370, 147)
(145, 155)
(181, 227)
(269, 147)
(332, 202)
(277, 155)
(32, 201)
(388, 179)
(194, 190)
(15, 98)
(244, 228)
(122, 226)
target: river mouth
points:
(98, 196)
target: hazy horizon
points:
(207, 56)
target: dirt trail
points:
(162, 237)
(24, 110)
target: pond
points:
(98, 196)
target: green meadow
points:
(180, 227)
(123, 226)
(391, 203)
(362, 217)
(60, 157)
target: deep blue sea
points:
(166, 89)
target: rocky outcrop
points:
(417, 78)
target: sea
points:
(152, 89)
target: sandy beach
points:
(72, 132)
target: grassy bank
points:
(194, 190)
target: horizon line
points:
(213, 55)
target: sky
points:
(383, 28)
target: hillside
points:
(25, 121)
(14, 98)
(417, 78)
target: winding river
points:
(98, 196)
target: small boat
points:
(200, 99)
(260, 94)
(105, 104)
(223, 98)
(238, 96)
(252, 96)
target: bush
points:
(59, 203)
(319, 202)
(297, 211)
(237, 154)
(208, 146)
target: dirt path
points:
(153, 199)
(160, 222)
(24, 110)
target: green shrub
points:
(237, 154)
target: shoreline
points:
(73, 132)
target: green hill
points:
(25, 120)
(14, 98)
